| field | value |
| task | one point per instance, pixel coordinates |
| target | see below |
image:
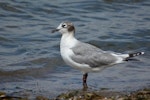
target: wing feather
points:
(91, 55)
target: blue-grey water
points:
(30, 62)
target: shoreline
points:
(143, 94)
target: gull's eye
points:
(64, 25)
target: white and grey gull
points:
(86, 57)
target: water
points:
(30, 62)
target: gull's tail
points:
(130, 55)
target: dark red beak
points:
(55, 30)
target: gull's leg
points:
(85, 75)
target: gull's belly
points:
(66, 54)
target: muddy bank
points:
(87, 95)
(104, 95)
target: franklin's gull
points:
(84, 56)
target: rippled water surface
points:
(30, 61)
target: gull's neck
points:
(68, 40)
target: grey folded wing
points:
(91, 55)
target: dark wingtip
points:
(136, 54)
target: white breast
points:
(66, 43)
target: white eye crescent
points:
(64, 25)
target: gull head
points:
(65, 27)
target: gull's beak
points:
(55, 30)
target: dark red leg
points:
(84, 80)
